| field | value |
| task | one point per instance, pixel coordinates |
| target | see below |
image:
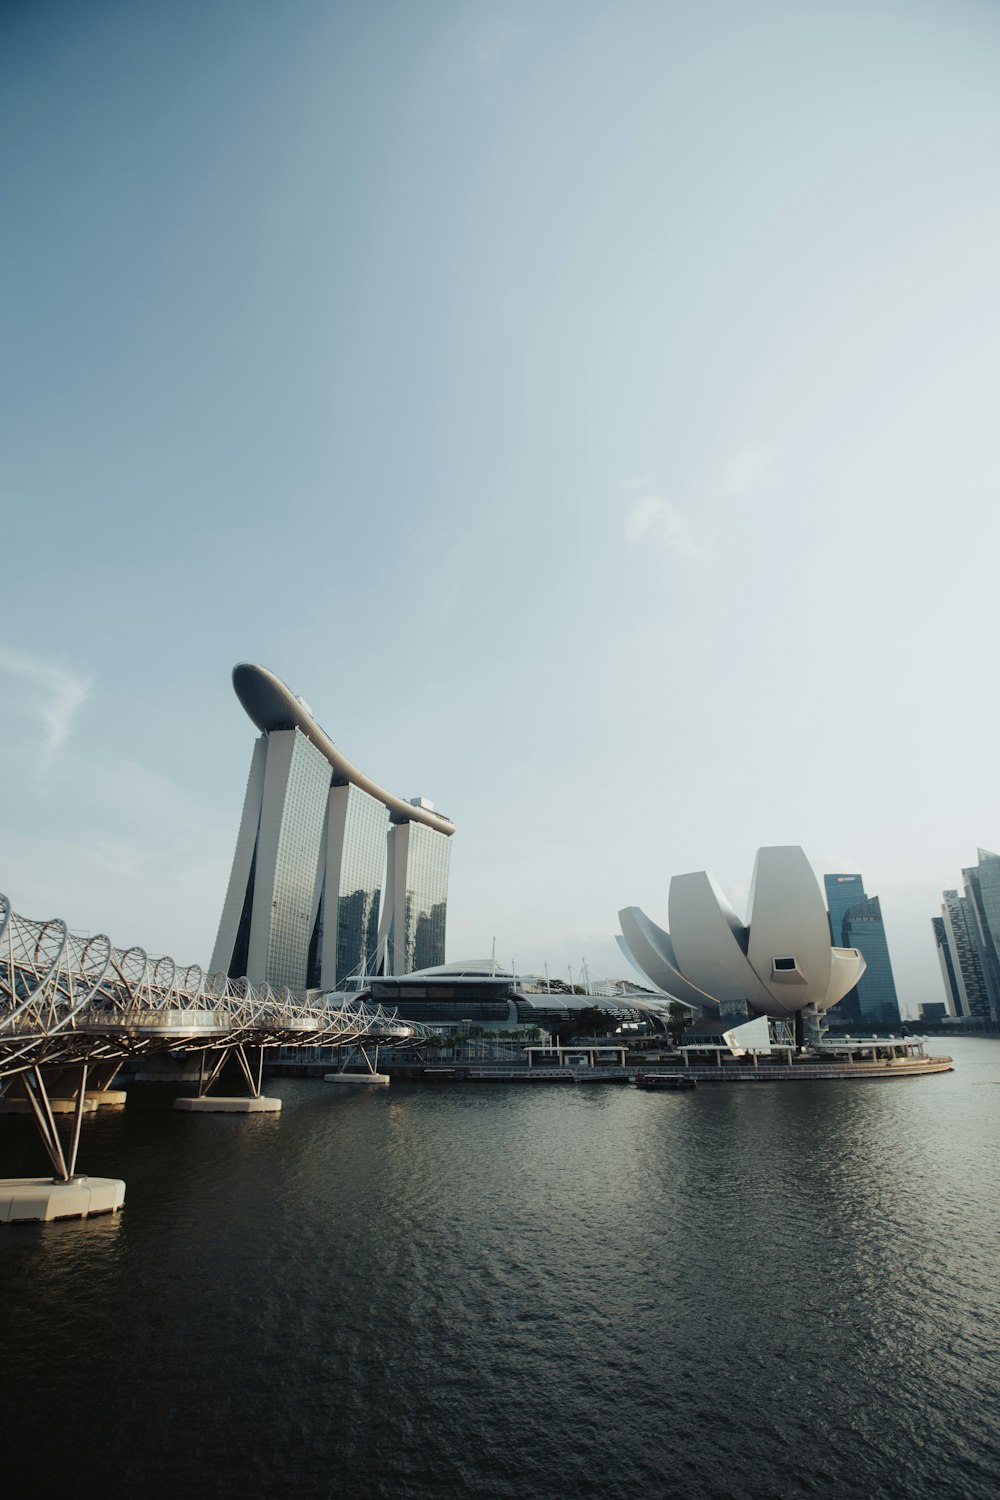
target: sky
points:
(590, 408)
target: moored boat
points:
(664, 1081)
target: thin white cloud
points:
(654, 521)
(752, 470)
(55, 694)
(640, 482)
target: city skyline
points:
(605, 963)
(546, 394)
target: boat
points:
(664, 1081)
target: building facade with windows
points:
(948, 975)
(981, 883)
(332, 876)
(411, 935)
(856, 922)
(965, 981)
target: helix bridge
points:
(74, 1009)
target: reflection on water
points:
(506, 1291)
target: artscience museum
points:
(779, 963)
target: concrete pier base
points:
(213, 1104)
(382, 1078)
(20, 1106)
(25, 1200)
(107, 1098)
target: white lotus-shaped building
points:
(777, 963)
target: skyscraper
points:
(412, 932)
(960, 929)
(856, 922)
(356, 830)
(308, 899)
(965, 978)
(982, 891)
(948, 974)
(842, 892)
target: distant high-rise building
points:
(982, 891)
(948, 974)
(967, 935)
(864, 929)
(856, 922)
(966, 988)
(842, 892)
(310, 901)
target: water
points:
(493, 1290)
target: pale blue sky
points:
(589, 408)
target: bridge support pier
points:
(102, 1076)
(61, 1088)
(234, 1104)
(67, 1194)
(255, 1103)
(359, 1075)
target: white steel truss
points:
(66, 999)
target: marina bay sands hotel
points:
(332, 875)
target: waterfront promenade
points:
(869, 1059)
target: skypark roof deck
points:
(270, 704)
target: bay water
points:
(519, 1290)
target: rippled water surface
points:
(746, 1290)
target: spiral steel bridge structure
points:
(76, 1006)
(65, 999)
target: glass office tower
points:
(864, 929)
(842, 892)
(982, 891)
(948, 974)
(856, 922)
(959, 919)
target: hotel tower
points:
(333, 876)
